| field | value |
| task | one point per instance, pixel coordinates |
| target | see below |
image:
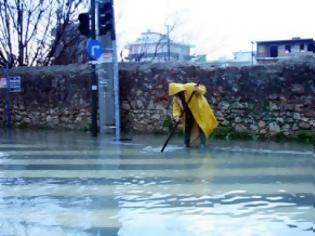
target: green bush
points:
(221, 133)
(158, 131)
(168, 122)
(242, 135)
(279, 137)
(305, 137)
(228, 133)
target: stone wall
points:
(52, 97)
(264, 100)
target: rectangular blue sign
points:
(15, 84)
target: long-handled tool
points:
(178, 122)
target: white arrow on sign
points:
(95, 48)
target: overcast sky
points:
(216, 27)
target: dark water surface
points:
(67, 183)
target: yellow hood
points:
(175, 88)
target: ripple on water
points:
(169, 148)
(235, 205)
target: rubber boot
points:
(202, 140)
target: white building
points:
(247, 57)
(156, 47)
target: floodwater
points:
(65, 183)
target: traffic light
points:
(84, 26)
(106, 18)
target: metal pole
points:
(94, 88)
(116, 91)
(102, 83)
(168, 44)
(7, 100)
(106, 88)
(109, 91)
(252, 52)
(116, 81)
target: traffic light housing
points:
(106, 18)
(84, 26)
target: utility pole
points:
(168, 43)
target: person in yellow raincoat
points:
(198, 119)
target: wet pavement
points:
(67, 183)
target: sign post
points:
(94, 49)
(7, 98)
(108, 64)
(10, 85)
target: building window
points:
(302, 47)
(310, 47)
(287, 49)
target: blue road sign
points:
(94, 49)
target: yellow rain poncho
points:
(198, 105)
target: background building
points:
(271, 51)
(156, 47)
(244, 58)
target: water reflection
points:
(70, 184)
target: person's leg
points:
(188, 127)
(202, 139)
(187, 135)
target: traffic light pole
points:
(94, 87)
(106, 95)
(108, 71)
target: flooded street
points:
(66, 183)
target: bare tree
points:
(31, 31)
(164, 41)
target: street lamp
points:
(252, 42)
